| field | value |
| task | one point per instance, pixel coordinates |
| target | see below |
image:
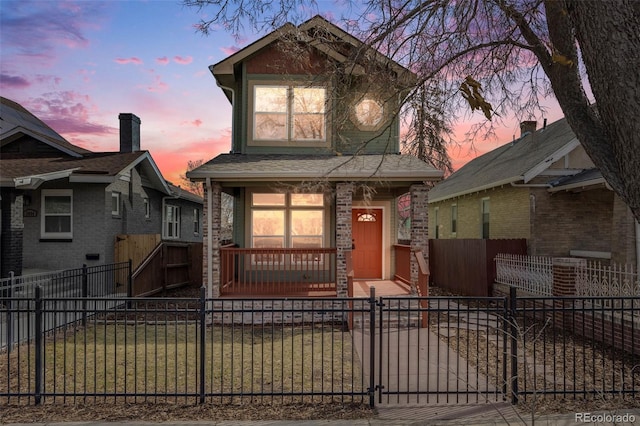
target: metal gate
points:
(434, 350)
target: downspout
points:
(209, 241)
(233, 101)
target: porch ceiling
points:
(276, 167)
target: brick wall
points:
(508, 218)
(11, 233)
(419, 229)
(567, 221)
(344, 202)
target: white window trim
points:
(482, 212)
(252, 141)
(117, 196)
(176, 222)
(436, 220)
(288, 208)
(55, 193)
(147, 207)
(196, 221)
(454, 207)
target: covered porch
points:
(298, 221)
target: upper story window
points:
(171, 226)
(368, 113)
(289, 113)
(57, 214)
(115, 204)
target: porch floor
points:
(362, 288)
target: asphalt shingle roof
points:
(507, 163)
(274, 167)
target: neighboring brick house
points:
(298, 122)
(62, 205)
(542, 187)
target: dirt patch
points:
(165, 411)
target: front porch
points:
(277, 272)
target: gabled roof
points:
(224, 70)
(16, 121)
(29, 171)
(184, 194)
(586, 179)
(518, 161)
(284, 167)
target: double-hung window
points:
(196, 221)
(171, 221)
(289, 113)
(486, 211)
(57, 214)
(287, 221)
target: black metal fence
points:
(387, 350)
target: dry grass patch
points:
(115, 360)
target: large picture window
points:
(287, 220)
(57, 214)
(289, 113)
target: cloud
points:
(230, 50)
(13, 82)
(158, 85)
(67, 112)
(33, 30)
(183, 60)
(195, 123)
(162, 61)
(132, 60)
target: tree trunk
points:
(608, 33)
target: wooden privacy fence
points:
(170, 265)
(135, 247)
(466, 266)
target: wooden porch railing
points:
(277, 271)
(403, 263)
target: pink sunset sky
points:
(78, 64)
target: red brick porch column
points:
(212, 199)
(344, 202)
(565, 274)
(419, 229)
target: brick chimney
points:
(528, 127)
(129, 132)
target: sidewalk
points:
(469, 416)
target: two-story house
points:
(63, 206)
(315, 166)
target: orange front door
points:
(367, 241)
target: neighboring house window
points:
(485, 217)
(196, 221)
(287, 220)
(147, 208)
(115, 203)
(171, 221)
(289, 113)
(437, 221)
(454, 218)
(57, 213)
